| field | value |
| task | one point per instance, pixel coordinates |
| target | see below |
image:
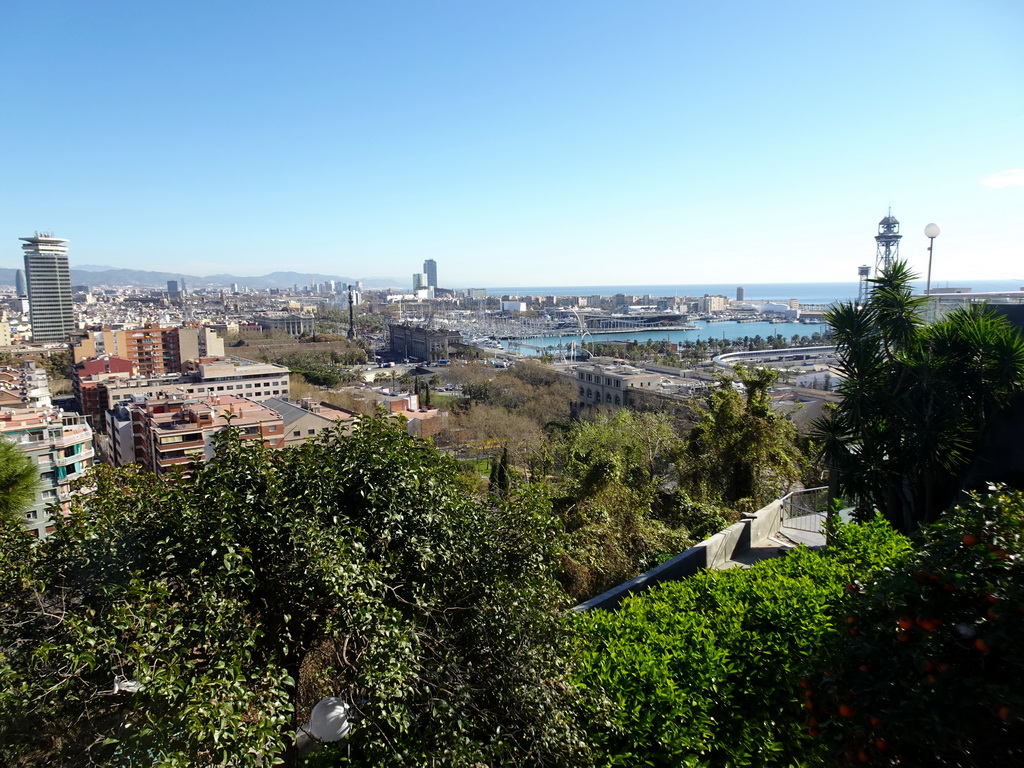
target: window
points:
(618, 383)
(582, 392)
(617, 400)
(608, 397)
(310, 431)
(297, 433)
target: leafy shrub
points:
(928, 670)
(703, 672)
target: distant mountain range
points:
(96, 276)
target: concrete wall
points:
(713, 552)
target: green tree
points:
(740, 453)
(19, 480)
(234, 599)
(609, 495)
(917, 399)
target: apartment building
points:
(168, 434)
(99, 386)
(60, 445)
(153, 349)
(27, 386)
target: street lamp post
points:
(931, 232)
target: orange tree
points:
(928, 668)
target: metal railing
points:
(805, 510)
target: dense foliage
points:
(917, 399)
(741, 454)
(231, 601)
(610, 493)
(703, 672)
(928, 670)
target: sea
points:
(806, 293)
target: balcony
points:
(70, 437)
(63, 461)
(183, 444)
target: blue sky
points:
(517, 143)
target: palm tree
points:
(19, 479)
(917, 398)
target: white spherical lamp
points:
(329, 719)
(931, 231)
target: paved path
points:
(804, 531)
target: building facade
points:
(613, 386)
(170, 434)
(293, 324)
(60, 445)
(155, 350)
(48, 279)
(408, 341)
(101, 386)
(430, 270)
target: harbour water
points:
(729, 329)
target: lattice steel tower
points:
(888, 239)
(863, 273)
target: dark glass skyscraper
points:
(51, 311)
(430, 269)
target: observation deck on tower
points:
(888, 239)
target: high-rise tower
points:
(888, 240)
(19, 283)
(51, 311)
(430, 269)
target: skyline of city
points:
(525, 144)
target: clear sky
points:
(517, 142)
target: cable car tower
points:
(888, 239)
(863, 287)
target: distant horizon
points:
(951, 283)
(777, 289)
